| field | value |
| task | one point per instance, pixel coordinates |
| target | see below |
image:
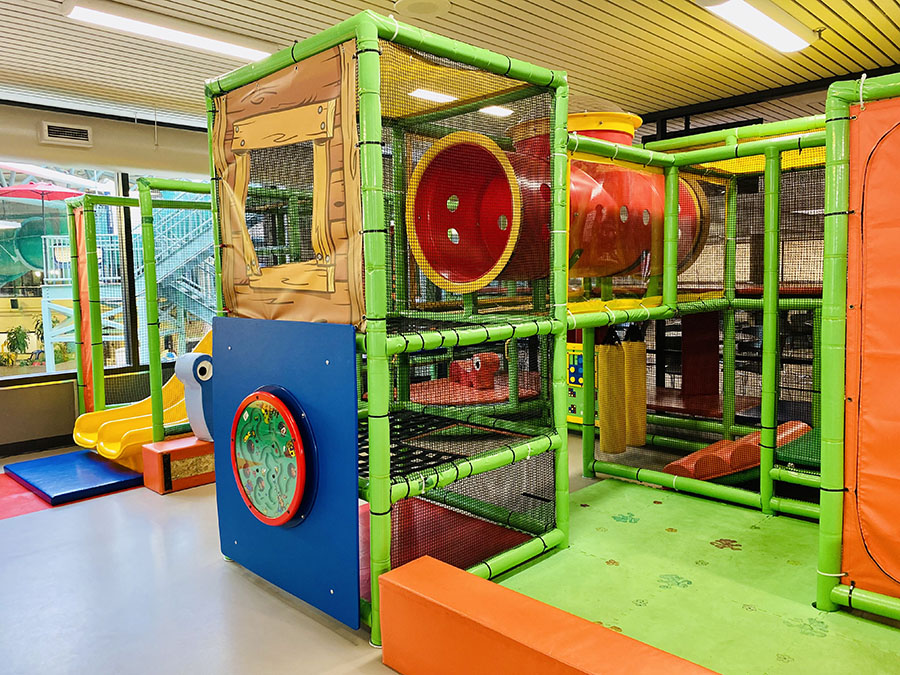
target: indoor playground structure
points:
(425, 274)
(473, 260)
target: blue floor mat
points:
(75, 475)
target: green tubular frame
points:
(769, 399)
(368, 28)
(732, 136)
(146, 204)
(76, 306)
(151, 295)
(769, 304)
(830, 593)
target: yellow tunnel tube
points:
(119, 433)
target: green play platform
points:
(720, 585)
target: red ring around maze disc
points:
(268, 458)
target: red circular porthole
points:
(268, 458)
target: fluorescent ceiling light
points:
(9, 225)
(116, 19)
(435, 96)
(765, 21)
(496, 111)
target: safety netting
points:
(467, 192)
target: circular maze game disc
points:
(267, 457)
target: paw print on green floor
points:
(727, 543)
(784, 658)
(639, 602)
(612, 563)
(625, 518)
(667, 581)
(701, 563)
(812, 626)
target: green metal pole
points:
(626, 153)
(377, 363)
(675, 443)
(670, 239)
(415, 342)
(559, 279)
(784, 475)
(151, 299)
(512, 370)
(801, 142)
(692, 485)
(93, 277)
(833, 343)
(769, 401)
(495, 566)
(817, 368)
(728, 322)
(606, 288)
(865, 601)
(588, 399)
(214, 204)
(784, 304)
(794, 126)
(473, 466)
(76, 307)
(693, 424)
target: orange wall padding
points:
(871, 554)
(439, 620)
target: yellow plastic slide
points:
(119, 433)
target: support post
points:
(377, 370)
(670, 239)
(151, 299)
(214, 205)
(728, 318)
(769, 402)
(559, 269)
(76, 307)
(833, 344)
(588, 399)
(93, 276)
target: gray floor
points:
(134, 583)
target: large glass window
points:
(36, 329)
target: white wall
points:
(120, 146)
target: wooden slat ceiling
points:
(642, 55)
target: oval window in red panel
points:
(268, 458)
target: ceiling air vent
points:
(66, 134)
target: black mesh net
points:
(279, 204)
(474, 181)
(475, 518)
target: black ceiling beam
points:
(761, 96)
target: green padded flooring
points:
(720, 585)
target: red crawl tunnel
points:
(476, 213)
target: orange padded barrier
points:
(178, 464)
(871, 556)
(437, 620)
